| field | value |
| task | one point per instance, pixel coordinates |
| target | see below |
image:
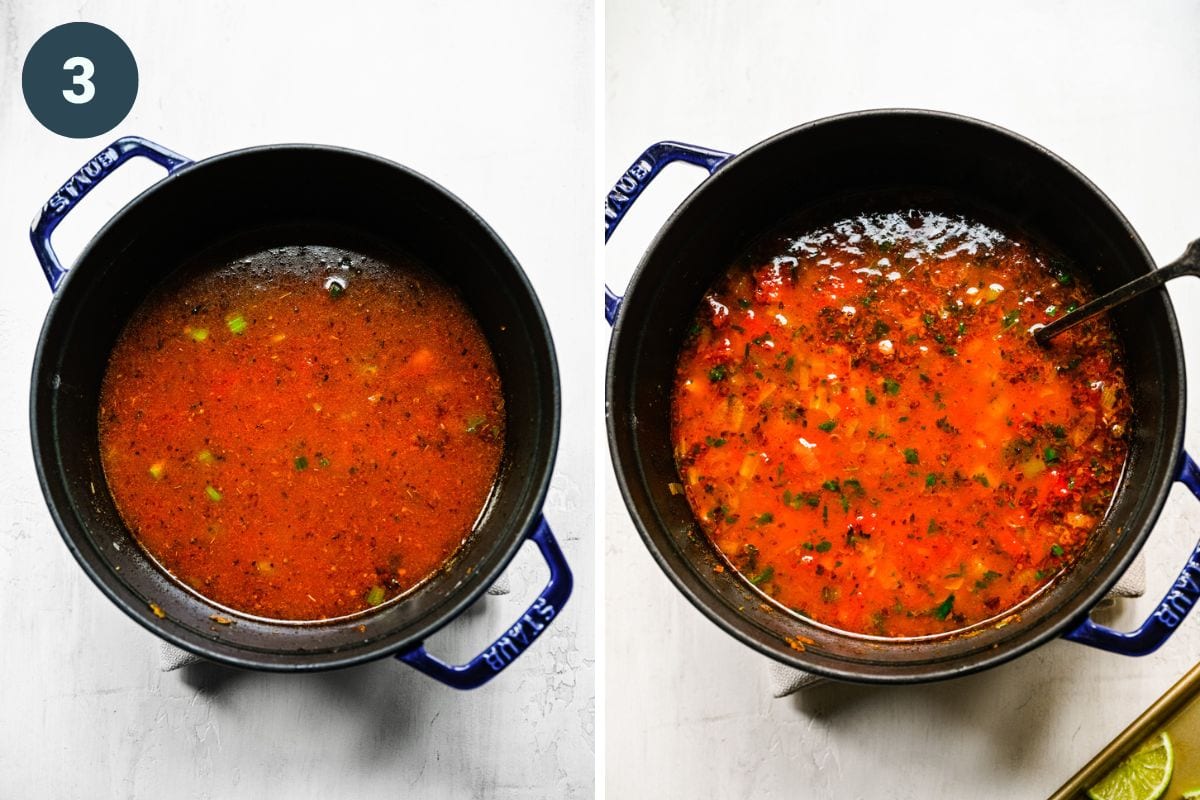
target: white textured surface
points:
(496, 105)
(1112, 87)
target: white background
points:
(496, 105)
(1114, 88)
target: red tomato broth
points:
(302, 434)
(864, 427)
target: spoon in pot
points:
(1186, 264)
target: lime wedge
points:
(1192, 794)
(1142, 776)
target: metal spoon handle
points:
(1186, 264)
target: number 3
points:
(86, 89)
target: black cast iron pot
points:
(858, 162)
(271, 196)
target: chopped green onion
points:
(301, 463)
(943, 610)
(764, 518)
(828, 425)
(1010, 318)
(717, 442)
(891, 387)
(981, 479)
(213, 494)
(236, 324)
(870, 396)
(323, 462)
(1056, 550)
(832, 485)
(717, 373)
(823, 546)
(198, 334)
(206, 457)
(931, 480)
(336, 290)
(910, 455)
(1050, 455)
(375, 596)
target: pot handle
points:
(1184, 594)
(488, 664)
(638, 177)
(83, 181)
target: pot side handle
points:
(83, 181)
(1184, 594)
(630, 185)
(516, 639)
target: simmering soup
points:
(865, 428)
(302, 433)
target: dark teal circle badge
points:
(80, 80)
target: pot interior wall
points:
(272, 197)
(853, 164)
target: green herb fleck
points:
(763, 576)
(1010, 318)
(717, 373)
(336, 289)
(213, 494)
(301, 463)
(717, 442)
(764, 518)
(981, 479)
(1050, 455)
(823, 546)
(943, 610)
(828, 425)
(870, 397)
(237, 324)
(987, 579)
(891, 387)
(375, 596)
(198, 334)
(931, 480)
(832, 485)
(1056, 550)
(910, 456)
